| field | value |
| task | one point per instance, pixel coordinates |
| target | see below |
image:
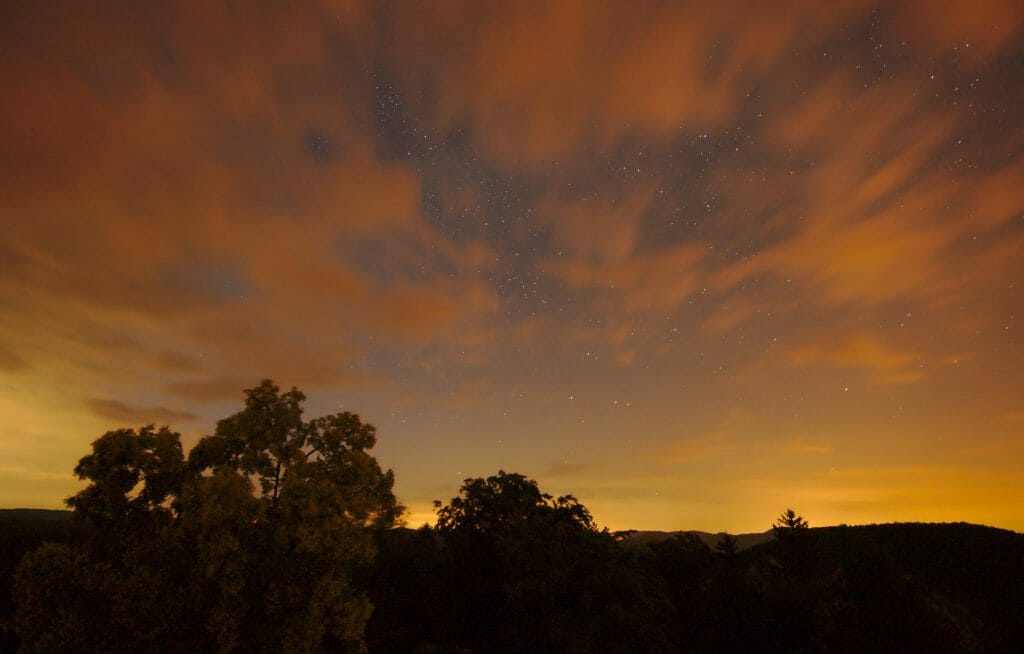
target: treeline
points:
(277, 534)
(518, 576)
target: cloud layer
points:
(812, 219)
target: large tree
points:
(249, 544)
(509, 502)
(536, 574)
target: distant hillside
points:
(22, 530)
(743, 541)
(891, 587)
(975, 567)
(34, 515)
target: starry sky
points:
(692, 262)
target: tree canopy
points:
(508, 502)
(249, 543)
(788, 524)
(535, 574)
(265, 538)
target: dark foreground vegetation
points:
(277, 534)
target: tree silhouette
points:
(788, 524)
(134, 479)
(217, 563)
(727, 544)
(508, 502)
(535, 574)
(250, 544)
(794, 551)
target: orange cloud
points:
(652, 282)
(600, 228)
(972, 31)
(547, 83)
(189, 199)
(11, 362)
(864, 351)
(807, 446)
(703, 448)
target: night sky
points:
(693, 263)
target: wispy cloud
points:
(122, 413)
(861, 351)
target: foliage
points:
(264, 544)
(21, 531)
(249, 544)
(467, 588)
(506, 503)
(727, 544)
(533, 573)
(133, 477)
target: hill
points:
(975, 570)
(34, 516)
(743, 541)
(953, 587)
(22, 530)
